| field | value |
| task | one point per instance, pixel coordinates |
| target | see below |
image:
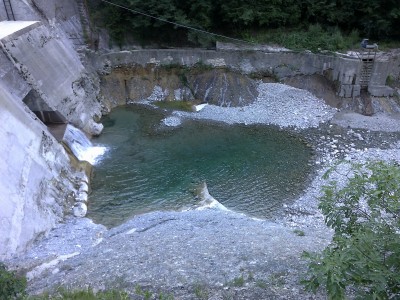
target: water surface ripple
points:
(250, 169)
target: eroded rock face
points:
(223, 88)
(215, 86)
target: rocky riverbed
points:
(213, 253)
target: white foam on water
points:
(200, 106)
(94, 154)
(206, 200)
(81, 147)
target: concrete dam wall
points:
(54, 73)
(40, 72)
(37, 181)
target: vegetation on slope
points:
(256, 20)
(364, 256)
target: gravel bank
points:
(212, 253)
(277, 104)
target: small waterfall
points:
(80, 145)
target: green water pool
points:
(250, 169)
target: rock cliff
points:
(165, 83)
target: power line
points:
(177, 24)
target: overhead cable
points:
(176, 24)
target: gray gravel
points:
(377, 122)
(277, 104)
(212, 253)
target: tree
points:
(364, 255)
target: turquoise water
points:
(249, 169)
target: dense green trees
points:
(376, 19)
(363, 259)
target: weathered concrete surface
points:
(11, 78)
(318, 85)
(51, 66)
(39, 62)
(63, 15)
(36, 179)
(8, 28)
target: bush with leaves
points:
(363, 258)
(11, 285)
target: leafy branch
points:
(364, 255)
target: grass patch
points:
(12, 286)
(175, 105)
(201, 291)
(87, 294)
(261, 284)
(277, 279)
(238, 281)
(299, 232)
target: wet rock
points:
(81, 197)
(79, 210)
(172, 121)
(83, 187)
(223, 88)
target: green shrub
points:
(238, 281)
(11, 285)
(364, 255)
(299, 232)
(314, 38)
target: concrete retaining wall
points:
(344, 71)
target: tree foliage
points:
(364, 255)
(377, 19)
(11, 285)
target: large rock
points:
(222, 87)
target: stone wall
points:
(215, 86)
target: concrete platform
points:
(15, 28)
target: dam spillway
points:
(81, 146)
